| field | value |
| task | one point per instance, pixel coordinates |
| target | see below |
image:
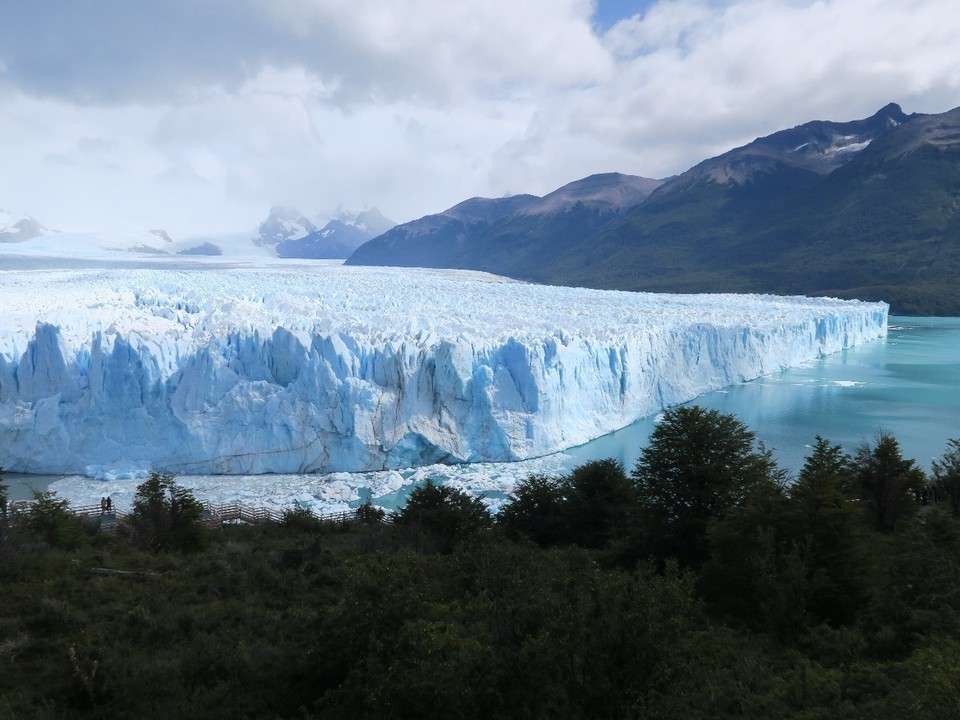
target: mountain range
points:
(16, 229)
(866, 209)
(285, 233)
(512, 233)
(292, 235)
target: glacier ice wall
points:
(296, 369)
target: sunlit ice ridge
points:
(302, 368)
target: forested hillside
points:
(698, 584)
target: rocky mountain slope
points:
(510, 233)
(867, 209)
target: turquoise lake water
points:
(907, 385)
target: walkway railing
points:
(95, 510)
(233, 512)
(212, 515)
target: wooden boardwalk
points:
(213, 515)
(236, 512)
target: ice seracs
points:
(296, 368)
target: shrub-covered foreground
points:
(697, 585)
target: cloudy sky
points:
(197, 115)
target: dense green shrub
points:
(50, 520)
(946, 475)
(166, 516)
(699, 464)
(441, 516)
(802, 608)
(594, 506)
(887, 483)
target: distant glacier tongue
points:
(303, 368)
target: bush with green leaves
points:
(946, 475)
(796, 555)
(49, 519)
(301, 518)
(593, 507)
(166, 516)
(4, 497)
(443, 515)
(826, 522)
(370, 513)
(697, 466)
(4, 509)
(278, 620)
(886, 483)
(536, 510)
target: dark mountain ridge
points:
(485, 232)
(868, 209)
(819, 147)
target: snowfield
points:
(212, 368)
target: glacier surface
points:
(279, 367)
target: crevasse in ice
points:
(300, 368)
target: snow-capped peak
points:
(17, 228)
(282, 224)
(369, 220)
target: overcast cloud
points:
(198, 115)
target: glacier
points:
(214, 368)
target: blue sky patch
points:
(610, 11)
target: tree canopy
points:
(444, 515)
(698, 464)
(803, 607)
(166, 515)
(886, 482)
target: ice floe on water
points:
(323, 493)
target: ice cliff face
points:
(287, 369)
